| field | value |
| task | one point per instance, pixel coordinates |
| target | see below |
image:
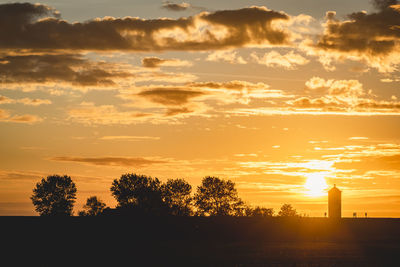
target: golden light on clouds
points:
(284, 103)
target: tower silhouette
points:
(334, 203)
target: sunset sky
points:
(285, 98)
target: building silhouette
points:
(334, 203)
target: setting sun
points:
(316, 185)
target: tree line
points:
(55, 195)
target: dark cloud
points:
(37, 27)
(230, 85)
(152, 62)
(46, 68)
(155, 62)
(371, 37)
(175, 7)
(111, 161)
(170, 96)
(178, 111)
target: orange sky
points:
(285, 100)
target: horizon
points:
(284, 99)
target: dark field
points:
(155, 241)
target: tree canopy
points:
(287, 211)
(93, 207)
(217, 197)
(143, 194)
(176, 195)
(138, 191)
(54, 196)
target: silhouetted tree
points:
(93, 207)
(54, 196)
(217, 197)
(287, 211)
(259, 212)
(140, 192)
(176, 195)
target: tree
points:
(176, 195)
(54, 196)
(259, 212)
(93, 207)
(139, 192)
(217, 197)
(287, 211)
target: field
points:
(155, 241)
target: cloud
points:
(337, 90)
(366, 160)
(226, 56)
(218, 92)
(328, 97)
(20, 175)
(88, 113)
(373, 38)
(317, 83)
(166, 103)
(155, 62)
(343, 96)
(128, 138)
(32, 71)
(54, 68)
(6, 100)
(169, 96)
(27, 118)
(38, 27)
(175, 7)
(274, 59)
(111, 161)
(25, 101)
(358, 138)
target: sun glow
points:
(316, 184)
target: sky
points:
(285, 98)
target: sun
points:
(316, 185)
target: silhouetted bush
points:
(217, 197)
(259, 212)
(54, 196)
(288, 211)
(93, 207)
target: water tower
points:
(334, 203)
